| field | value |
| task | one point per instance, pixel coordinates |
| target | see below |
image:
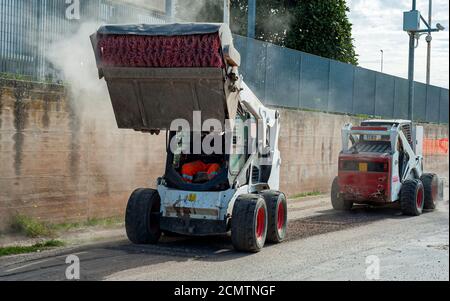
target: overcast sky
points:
(378, 24)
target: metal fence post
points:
(266, 62)
(329, 86)
(301, 82)
(251, 30)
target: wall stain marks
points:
(46, 107)
(20, 121)
(75, 126)
(1, 107)
(331, 150)
(323, 152)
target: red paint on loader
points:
(364, 185)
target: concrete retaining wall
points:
(310, 143)
(59, 165)
(60, 162)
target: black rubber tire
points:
(273, 200)
(409, 194)
(430, 183)
(337, 201)
(244, 223)
(142, 217)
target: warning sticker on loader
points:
(363, 167)
(192, 197)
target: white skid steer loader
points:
(223, 163)
(381, 162)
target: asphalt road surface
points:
(364, 244)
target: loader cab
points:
(370, 143)
(400, 156)
(365, 163)
(375, 159)
(208, 160)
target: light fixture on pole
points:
(382, 60)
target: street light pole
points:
(411, 24)
(411, 70)
(382, 60)
(429, 39)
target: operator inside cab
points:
(197, 168)
(198, 171)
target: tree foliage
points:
(320, 27)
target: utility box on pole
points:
(411, 20)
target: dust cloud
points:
(116, 159)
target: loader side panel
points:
(195, 213)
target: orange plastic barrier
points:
(435, 146)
